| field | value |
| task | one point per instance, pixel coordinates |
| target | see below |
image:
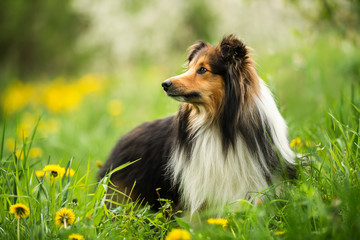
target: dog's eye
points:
(202, 70)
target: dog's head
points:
(217, 77)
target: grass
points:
(317, 87)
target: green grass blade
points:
(2, 140)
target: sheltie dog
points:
(228, 140)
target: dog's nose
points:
(166, 84)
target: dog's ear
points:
(241, 84)
(194, 49)
(232, 49)
(242, 76)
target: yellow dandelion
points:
(280, 232)
(295, 142)
(98, 164)
(40, 174)
(326, 197)
(16, 97)
(75, 236)
(20, 210)
(64, 217)
(178, 234)
(33, 153)
(115, 107)
(62, 97)
(218, 221)
(54, 170)
(19, 154)
(70, 172)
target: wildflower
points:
(19, 154)
(70, 172)
(218, 221)
(69, 95)
(326, 197)
(178, 234)
(295, 142)
(54, 170)
(75, 236)
(33, 153)
(16, 97)
(115, 107)
(280, 232)
(40, 174)
(98, 164)
(64, 217)
(20, 210)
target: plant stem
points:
(18, 229)
(52, 195)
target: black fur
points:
(194, 49)
(235, 118)
(184, 135)
(232, 49)
(152, 143)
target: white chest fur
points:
(209, 178)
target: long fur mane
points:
(227, 142)
(234, 150)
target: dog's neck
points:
(209, 176)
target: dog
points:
(228, 140)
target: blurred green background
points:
(91, 70)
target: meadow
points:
(56, 133)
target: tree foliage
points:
(40, 36)
(343, 16)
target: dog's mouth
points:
(179, 94)
(188, 97)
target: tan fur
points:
(209, 84)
